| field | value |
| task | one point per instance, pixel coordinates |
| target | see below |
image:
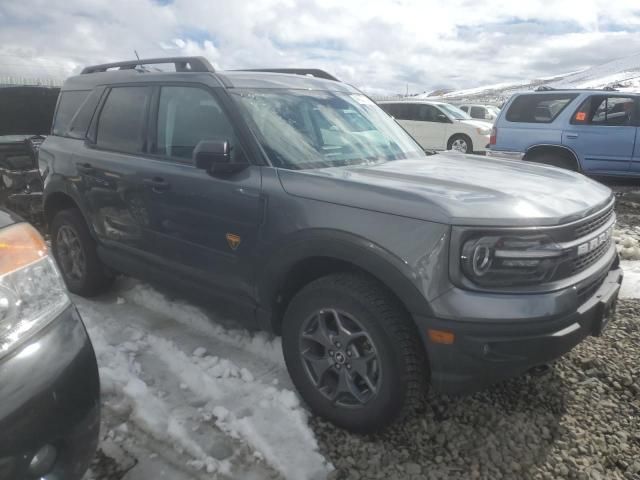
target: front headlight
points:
(483, 131)
(32, 292)
(508, 260)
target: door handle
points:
(157, 184)
(85, 167)
(572, 136)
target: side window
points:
(464, 108)
(477, 112)
(187, 115)
(608, 111)
(68, 105)
(82, 118)
(538, 108)
(388, 108)
(121, 126)
(402, 111)
(428, 113)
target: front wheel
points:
(460, 143)
(353, 353)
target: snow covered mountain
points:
(622, 74)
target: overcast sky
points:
(380, 46)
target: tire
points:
(397, 371)
(75, 252)
(462, 141)
(555, 160)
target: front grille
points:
(588, 290)
(585, 261)
(594, 223)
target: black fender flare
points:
(378, 262)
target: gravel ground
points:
(580, 420)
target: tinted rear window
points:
(68, 105)
(538, 108)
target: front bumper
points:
(485, 352)
(50, 395)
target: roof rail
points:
(182, 64)
(544, 88)
(313, 72)
(610, 88)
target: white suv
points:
(440, 126)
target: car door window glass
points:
(121, 125)
(428, 113)
(538, 108)
(187, 115)
(605, 111)
(477, 112)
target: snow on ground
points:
(631, 283)
(186, 398)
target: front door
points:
(603, 133)
(425, 125)
(203, 226)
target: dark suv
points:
(299, 201)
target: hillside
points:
(622, 74)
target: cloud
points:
(381, 46)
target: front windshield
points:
(454, 112)
(302, 129)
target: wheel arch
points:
(563, 150)
(306, 259)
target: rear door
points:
(602, 132)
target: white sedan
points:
(440, 126)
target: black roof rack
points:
(544, 88)
(313, 72)
(182, 64)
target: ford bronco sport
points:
(297, 199)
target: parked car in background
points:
(440, 126)
(590, 131)
(26, 114)
(49, 386)
(481, 112)
(299, 202)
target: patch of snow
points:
(208, 394)
(631, 284)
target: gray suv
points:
(294, 198)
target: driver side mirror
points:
(214, 156)
(442, 118)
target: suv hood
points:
(456, 189)
(27, 110)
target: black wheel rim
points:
(70, 253)
(340, 358)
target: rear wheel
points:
(460, 143)
(75, 252)
(353, 353)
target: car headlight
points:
(506, 260)
(483, 131)
(32, 292)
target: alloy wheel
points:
(70, 253)
(459, 145)
(340, 358)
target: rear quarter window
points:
(538, 108)
(69, 103)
